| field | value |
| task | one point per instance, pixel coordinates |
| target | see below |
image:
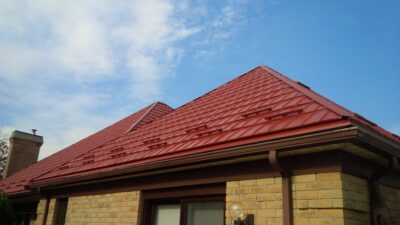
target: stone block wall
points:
(318, 199)
(50, 214)
(39, 212)
(112, 209)
(356, 202)
(392, 199)
(330, 199)
(261, 197)
(121, 208)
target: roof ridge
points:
(83, 144)
(301, 111)
(220, 86)
(137, 122)
(340, 110)
(93, 134)
(132, 127)
(331, 105)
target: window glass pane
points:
(168, 215)
(201, 213)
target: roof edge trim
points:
(311, 94)
(339, 133)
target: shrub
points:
(6, 211)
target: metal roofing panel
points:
(292, 109)
(220, 108)
(72, 153)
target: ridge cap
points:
(354, 117)
(151, 107)
(148, 111)
(336, 108)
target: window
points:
(205, 212)
(61, 211)
(198, 211)
(187, 205)
(167, 214)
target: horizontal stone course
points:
(321, 199)
(121, 208)
(261, 197)
(330, 198)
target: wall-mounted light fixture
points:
(239, 217)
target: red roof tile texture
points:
(261, 103)
(15, 183)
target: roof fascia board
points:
(24, 198)
(344, 134)
(368, 136)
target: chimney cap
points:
(34, 131)
(26, 136)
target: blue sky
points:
(71, 68)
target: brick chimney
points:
(24, 151)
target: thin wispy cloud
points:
(227, 21)
(58, 59)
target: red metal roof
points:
(15, 183)
(261, 103)
(257, 106)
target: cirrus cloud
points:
(69, 68)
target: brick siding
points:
(318, 199)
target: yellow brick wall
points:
(39, 212)
(330, 199)
(112, 209)
(356, 200)
(261, 197)
(318, 199)
(392, 199)
(50, 213)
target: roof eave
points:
(375, 141)
(337, 135)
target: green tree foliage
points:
(3, 153)
(6, 211)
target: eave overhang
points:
(380, 147)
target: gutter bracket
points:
(287, 198)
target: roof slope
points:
(14, 184)
(260, 104)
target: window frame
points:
(151, 206)
(182, 196)
(185, 202)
